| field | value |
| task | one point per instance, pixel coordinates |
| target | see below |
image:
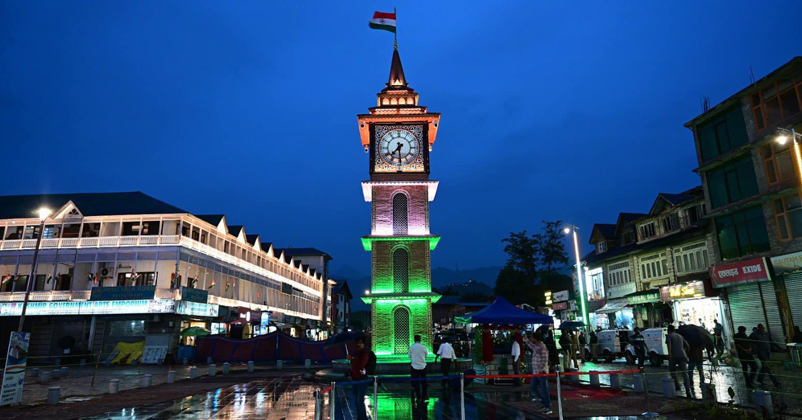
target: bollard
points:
(637, 382)
(55, 374)
(171, 377)
(193, 372)
(34, 372)
(375, 397)
(250, 366)
(559, 393)
(146, 381)
(279, 364)
(709, 392)
(462, 396)
(212, 369)
(668, 388)
(114, 386)
(318, 411)
(53, 395)
(64, 370)
(209, 360)
(226, 368)
(594, 378)
(573, 378)
(615, 381)
(332, 393)
(45, 378)
(307, 364)
(184, 361)
(763, 402)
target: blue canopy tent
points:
(501, 312)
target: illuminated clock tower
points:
(398, 135)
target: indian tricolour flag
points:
(385, 21)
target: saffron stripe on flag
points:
(382, 15)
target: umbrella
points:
(344, 337)
(695, 334)
(194, 332)
(572, 325)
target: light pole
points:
(44, 213)
(783, 135)
(582, 307)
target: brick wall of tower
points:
(417, 207)
(419, 266)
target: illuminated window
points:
(788, 213)
(777, 102)
(777, 162)
(400, 270)
(400, 214)
(401, 331)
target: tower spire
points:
(397, 78)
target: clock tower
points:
(398, 135)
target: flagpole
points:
(395, 34)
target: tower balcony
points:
(400, 297)
(367, 241)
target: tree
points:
(514, 285)
(550, 246)
(522, 251)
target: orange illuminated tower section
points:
(398, 135)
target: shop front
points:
(693, 303)
(787, 270)
(750, 296)
(647, 308)
(619, 315)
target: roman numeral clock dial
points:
(399, 147)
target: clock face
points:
(399, 147)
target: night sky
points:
(551, 110)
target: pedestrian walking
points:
(718, 333)
(551, 345)
(582, 343)
(446, 355)
(696, 361)
(762, 346)
(678, 359)
(594, 345)
(540, 365)
(417, 356)
(516, 356)
(359, 362)
(639, 343)
(743, 348)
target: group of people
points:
(754, 352)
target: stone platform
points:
(399, 365)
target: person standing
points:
(551, 345)
(744, 349)
(696, 361)
(446, 353)
(516, 357)
(718, 332)
(763, 353)
(575, 348)
(678, 359)
(358, 363)
(594, 346)
(565, 349)
(417, 356)
(583, 341)
(540, 365)
(639, 343)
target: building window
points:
(400, 214)
(91, 230)
(151, 228)
(629, 237)
(130, 229)
(777, 162)
(401, 334)
(788, 213)
(619, 273)
(601, 247)
(646, 231)
(732, 183)
(400, 271)
(691, 258)
(671, 223)
(696, 213)
(777, 102)
(742, 233)
(52, 232)
(722, 134)
(654, 266)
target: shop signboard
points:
(787, 263)
(559, 306)
(650, 297)
(194, 295)
(248, 316)
(559, 296)
(694, 289)
(197, 309)
(156, 346)
(123, 293)
(110, 307)
(265, 319)
(621, 291)
(14, 372)
(742, 272)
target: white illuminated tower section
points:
(398, 135)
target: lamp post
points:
(44, 213)
(579, 275)
(783, 135)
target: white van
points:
(656, 348)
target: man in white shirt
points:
(417, 355)
(516, 357)
(446, 352)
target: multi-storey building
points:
(341, 306)
(123, 266)
(751, 185)
(652, 268)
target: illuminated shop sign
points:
(112, 307)
(560, 296)
(123, 293)
(694, 289)
(197, 309)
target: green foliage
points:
(550, 246)
(515, 286)
(522, 253)
(477, 347)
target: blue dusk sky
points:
(550, 110)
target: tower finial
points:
(396, 44)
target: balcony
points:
(46, 296)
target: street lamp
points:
(43, 213)
(783, 135)
(582, 307)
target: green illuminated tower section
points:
(398, 135)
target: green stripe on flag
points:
(382, 27)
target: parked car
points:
(613, 344)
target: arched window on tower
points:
(401, 331)
(400, 271)
(400, 214)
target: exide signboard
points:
(742, 272)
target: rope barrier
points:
(607, 372)
(538, 375)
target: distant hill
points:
(469, 288)
(444, 276)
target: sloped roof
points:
(342, 287)
(396, 71)
(299, 252)
(235, 230)
(604, 229)
(213, 219)
(626, 218)
(251, 238)
(89, 204)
